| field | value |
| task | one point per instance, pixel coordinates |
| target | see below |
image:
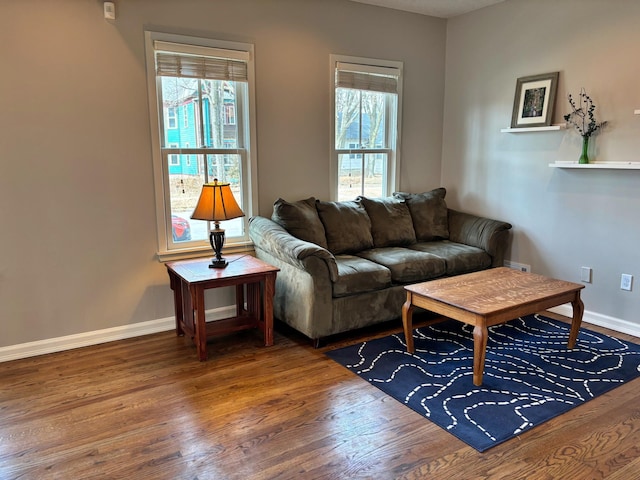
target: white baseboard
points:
(68, 342)
(622, 326)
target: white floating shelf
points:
(636, 112)
(600, 165)
(559, 126)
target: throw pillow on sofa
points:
(391, 223)
(300, 219)
(346, 225)
(429, 214)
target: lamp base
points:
(222, 263)
(216, 237)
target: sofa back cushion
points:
(429, 214)
(301, 220)
(347, 226)
(391, 223)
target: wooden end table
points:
(190, 278)
(490, 297)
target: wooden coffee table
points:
(490, 297)
(190, 278)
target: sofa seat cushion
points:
(458, 258)
(358, 275)
(346, 225)
(406, 265)
(300, 219)
(391, 223)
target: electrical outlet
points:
(523, 267)
(585, 274)
(625, 281)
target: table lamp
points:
(216, 203)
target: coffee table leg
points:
(479, 351)
(578, 310)
(407, 322)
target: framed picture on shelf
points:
(534, 100)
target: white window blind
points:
(200, 62)
(367, 77)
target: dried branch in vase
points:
(582, 116)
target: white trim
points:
(612, 323)
(68, 342)
(205, 252)
(59, 344)
(249, 170)
(333, 166)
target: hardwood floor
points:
(145, 408)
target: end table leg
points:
(254, 302)
(239, 300)
(267, 310)
(480, 335)
(176, 286)
(578, 310)
(407, 323)
(197, 298)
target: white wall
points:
(563, 219)
(77, 212)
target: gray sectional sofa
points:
(343, 265)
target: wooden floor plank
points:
(146, 408)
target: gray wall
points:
(78, 235)
(77, 209)
(563, 219)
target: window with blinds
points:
(201, 92)
(366, 125)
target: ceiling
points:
(434, 8)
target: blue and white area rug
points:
(530, 376)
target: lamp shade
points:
(216, 203)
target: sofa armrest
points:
(272, 238)
(490, 235)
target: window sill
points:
(186, 253)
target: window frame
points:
(167, 248)
(393, 126)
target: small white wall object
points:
(109, 10)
